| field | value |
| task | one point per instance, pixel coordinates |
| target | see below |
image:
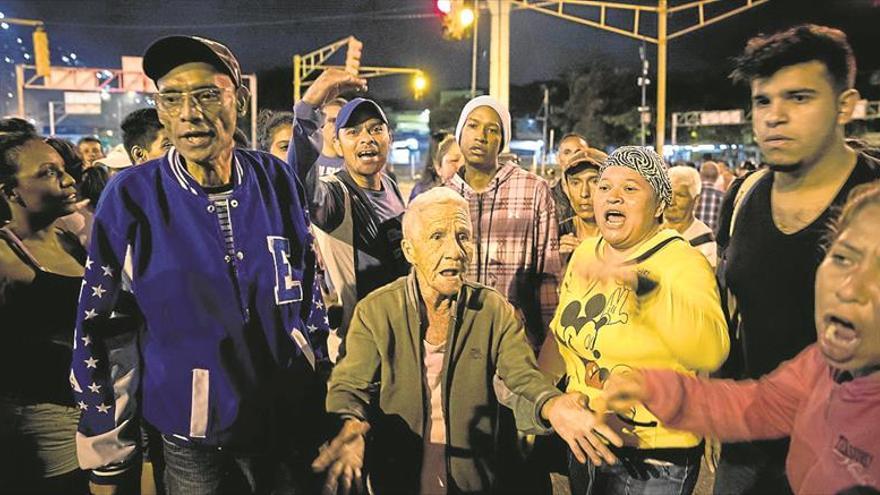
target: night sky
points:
(266, 33)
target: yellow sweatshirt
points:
(605, 328)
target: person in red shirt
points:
(827, 399)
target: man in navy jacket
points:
(199, 311)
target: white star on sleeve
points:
(91, 313)
(319, 304)
(83, 406)
(94, 387)
(89, 263)
(312, 328)
(108, 272)
(103, 409)
(86, 340)
(91, 362)
(98, 291)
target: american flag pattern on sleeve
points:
(105, 368)
(318, 324)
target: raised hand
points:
(330, 84)
(606, 271)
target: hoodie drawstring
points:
(483, 258)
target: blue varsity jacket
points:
(173, 326)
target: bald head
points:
(709, 172)
(571, 146)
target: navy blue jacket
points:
(169, 318)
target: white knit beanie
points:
(486, 101)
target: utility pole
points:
(643, 82)
(499, 51)
(51, 118)
(661, 11)
(545, 117)
(474, 52)
(662, 40)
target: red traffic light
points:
(443, 6)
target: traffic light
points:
(41, 52)
(458, 17)
(353, 56)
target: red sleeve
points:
(735, 410)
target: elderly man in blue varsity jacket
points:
(198, 310)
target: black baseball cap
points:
(169, 52)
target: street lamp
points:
(419, 84)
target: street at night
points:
(549, 247)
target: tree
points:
(599, 106)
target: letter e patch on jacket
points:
(287, 290)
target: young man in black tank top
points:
(802, 96)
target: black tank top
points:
(36, 324)
(773, 274)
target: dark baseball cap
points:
(172, 51)
(581, 164)
(361, 104)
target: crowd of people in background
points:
(188, 315)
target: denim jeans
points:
(634, 476)
(206, 471)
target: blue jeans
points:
(633, 476)
(207, 471)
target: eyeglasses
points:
(206, 99)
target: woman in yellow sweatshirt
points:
(635, 296)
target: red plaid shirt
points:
(516, 244)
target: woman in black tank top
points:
(41, 271)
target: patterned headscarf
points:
(647, 163)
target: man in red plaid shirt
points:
(710, 198)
